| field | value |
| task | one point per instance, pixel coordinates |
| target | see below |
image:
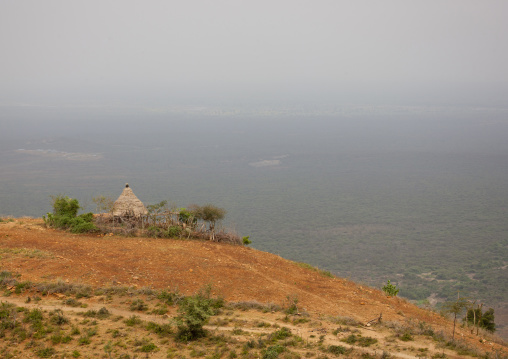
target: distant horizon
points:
(310, 105)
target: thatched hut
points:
(128, 205)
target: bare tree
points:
(103, 204)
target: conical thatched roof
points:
(128, 204)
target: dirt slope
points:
(236, 273)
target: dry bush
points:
(410, 327)
(255, 305)
(126, 226)
(7, 278)
(229, 238)
(80, 290)
(132, 226)
(345, 321)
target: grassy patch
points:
(324, 273)
(359, 340)
(254, 305)
(337, 350)
(133, 320)
(102, 313)
(26, 252)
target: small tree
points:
(455, 308)
(390, 289)
(155, 210)
(187, 217)
(481, 319)
(487, 321)
(209, 213)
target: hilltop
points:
(237, 274)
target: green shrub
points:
(7, 316)
(273, 351)
(194, 312)
(280, 334)
(56, 338)
(63, 205)
(187, 217)
(46, 352)
(160, 329)
(132, 321)
(390, 289)
(22, 286)
(358, 339)
(292, 304)
(246, 241)
(170, 298)
(84, 340)
(33, 316)
(103, 313)
(351, 339)
(100, 314)
(337, 349)
(138, 305)
(406, 337)
(155, 232)
(174, 231)
(82, 224)
(147, 348)
(366, 341)
(483, 319)
(65, 216)
(58, 318)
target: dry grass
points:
(25, 252)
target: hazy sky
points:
(65, 51)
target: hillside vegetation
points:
(70, 295)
